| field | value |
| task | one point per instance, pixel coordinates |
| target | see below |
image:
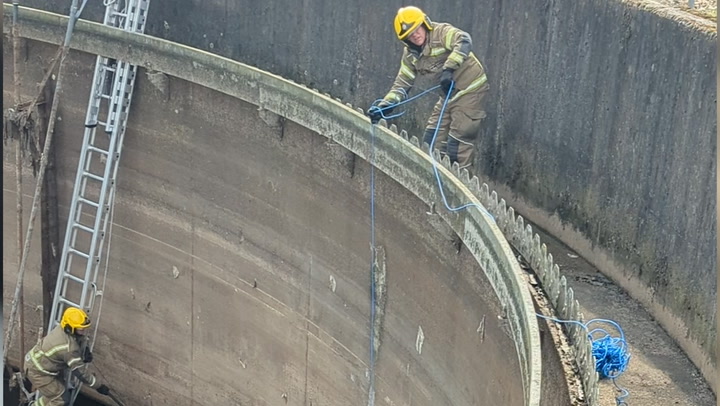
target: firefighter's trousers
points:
(51, 388)
(458, 128)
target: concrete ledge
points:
(401, 159)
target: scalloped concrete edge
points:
(403, 161)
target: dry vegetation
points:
(701, 8)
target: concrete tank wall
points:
(601, 126)
(213, 199)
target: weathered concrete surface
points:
(625, 160)
(211, 191)
(601, 122)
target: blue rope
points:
(374, 107)
(611, 353)
(371, 395)
(434, 162)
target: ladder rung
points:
(63, 300)
(93, 176)
(74, 278)
(78, 253)
(84, 228)
(96, 149)
(88, 202)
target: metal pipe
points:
(18, 164)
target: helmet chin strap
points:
(413, 47)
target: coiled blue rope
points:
(610, 352)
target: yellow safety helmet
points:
(74, 318)
(408, 19)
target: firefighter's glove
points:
(103, 390)
(377, 111)
(446, 80)
(87, 355)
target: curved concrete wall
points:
(602, 120)
(210, 201)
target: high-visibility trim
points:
(55, 349)
(472, 55)
(476, 84)
(73, 361)
(458, 139)
(405, 70)
(405, 81)
(392, 97)
(449, 38)
(457, 57)
(34, 357)
(437, 51)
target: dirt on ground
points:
(659, 373)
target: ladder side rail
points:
(118, 101)
(134, 15)
(143, 6)
(121, 128)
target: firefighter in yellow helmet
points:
(59, 351)
(443, 51)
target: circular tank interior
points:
(239, 265)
